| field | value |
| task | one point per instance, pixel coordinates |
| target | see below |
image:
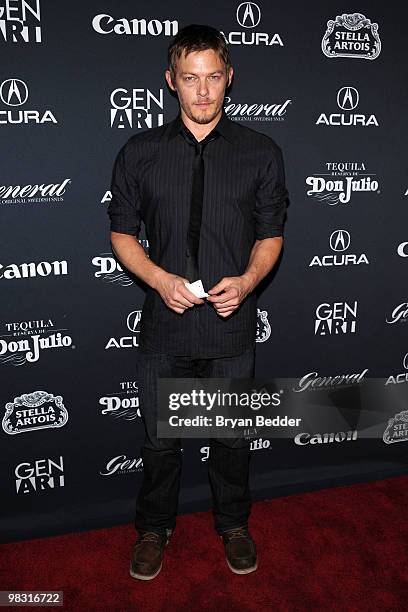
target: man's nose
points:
(203, 88)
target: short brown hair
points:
(195, 37)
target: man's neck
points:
(199, 130)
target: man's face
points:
(200, 84)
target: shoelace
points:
(149, 536)
(239, 532)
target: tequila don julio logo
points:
(24, 341)
(340, 181)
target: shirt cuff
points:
(271, 232)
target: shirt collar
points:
(224, 127)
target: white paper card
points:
(197, 288)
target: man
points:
(212, 196)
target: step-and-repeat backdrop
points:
(328, 83)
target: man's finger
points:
(225, 306)
(186, 293)
(178, 310)
(225, 314)
(219, 286)
(224, 297)
(181, 301)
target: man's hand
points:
(235, 289)
(174, 293)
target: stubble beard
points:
(202, 117)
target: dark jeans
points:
(228, 463)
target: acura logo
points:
(133, 319)
(405, 361)
(13, 92)
(340, 240)
(248, 14)
(401, 249)
(347, 98)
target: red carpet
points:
(338, 549)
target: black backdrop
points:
(70, 456)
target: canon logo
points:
(327, 438)
(29, 270)
(106, 24)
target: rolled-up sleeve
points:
(271, 197)
(124, 208)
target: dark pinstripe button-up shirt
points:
(244, 200)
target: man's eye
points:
(215, 77)
(188, 78)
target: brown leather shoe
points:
(240, 551)
(147, 555)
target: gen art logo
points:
(40, 475)
(137, 108)
(336, 318)
(20, 21)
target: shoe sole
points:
(144, 576)
(248, 570)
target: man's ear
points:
(167, 74)
(231, 72)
